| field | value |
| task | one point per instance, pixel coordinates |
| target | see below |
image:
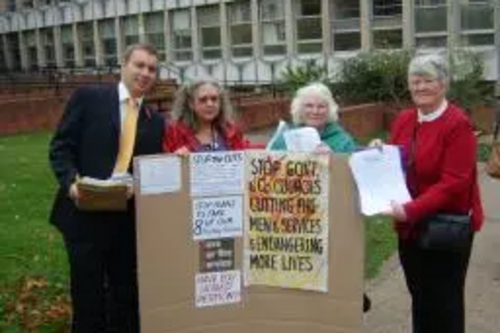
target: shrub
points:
(294, 77)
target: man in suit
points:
(102, 128)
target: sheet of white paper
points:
(380, 179)
(304, 139)
(218, 288)
(215, 218)
(216, 173)
(160, 175)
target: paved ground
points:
(391, 309)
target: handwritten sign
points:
(286, 225)
(217, 255)
(217, 217)
(216, 173)
(218, 288)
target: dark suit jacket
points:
(86, 143)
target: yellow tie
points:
(127, 138)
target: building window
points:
(32, 53)
(431, 16)
(108, 42)
(345, 25)
(272, 23)
(86, 33)
(3, 63)
(240, 27)
(15, 50)
(478, 40)
(130, 30)
(209, 32)
(478, 16)
(154, 25)
(47, 37)
(68, 49)
(181, 35)
(383, 8)
(431, 42)
(388, 39)
(308, 30)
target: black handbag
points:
(444, 232)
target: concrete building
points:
(240, 40)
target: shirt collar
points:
(434, 114)
(124, 94)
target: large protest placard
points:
(193, 282)
(286, 229)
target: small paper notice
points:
(219, 173)
(218, 288)
(304, 139)
(215, 218)
(380, 179)
(160, 175)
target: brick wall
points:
(43, 113)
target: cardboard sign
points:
(286, 229)
(169, 261)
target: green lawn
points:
(33, 268)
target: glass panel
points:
(347, 41)
(309, 28)
(387, 8)
(109, 46)
(272, 9)
(274, 49)
(210, 37)
(107, 29)
(154, 22)
(241, 34)
(308, 7)
(183, 55)
(157, 40)
(129, 40)
(208, 16)
(431, 19)
(345, 9)
(131, 25)
(182, 39)
(240, 12)
(242, 51)
(273, 32)
(478, 40)
(309, 47)
(181, 19)
(212, 54)
(431, 42)
(387, 39)
(478, 16)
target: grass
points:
(33, 267)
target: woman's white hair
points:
(431, 65)
(313, 89)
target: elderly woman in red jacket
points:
(202, 121)
(439, 153)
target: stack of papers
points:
(104, 195)
(380, 179)
(304, 139)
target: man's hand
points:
(74, 194)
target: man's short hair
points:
(150, 49)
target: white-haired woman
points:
(314, 106)
(202, 121)
(439, 155)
